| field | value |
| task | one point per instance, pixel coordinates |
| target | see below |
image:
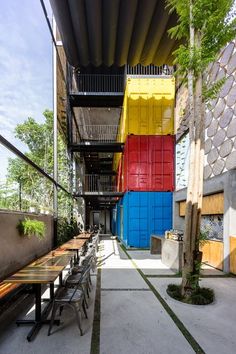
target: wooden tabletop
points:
(74, 244)
(44, 270)
(83, 236)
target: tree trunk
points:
(191, 268)
(187, 247)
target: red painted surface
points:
(149, 163)
(119, 177)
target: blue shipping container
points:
(143, 214)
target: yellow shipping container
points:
(148, 107)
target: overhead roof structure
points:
(114, 32)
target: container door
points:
(156, 163)
(168, 115)
(168, 163)
(144, 220)
(155, 117)
(161, 154)
(160, 212)
(133, 219)
(121, 223)
(143, 164)
(136, 168)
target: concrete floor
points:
(129, 317)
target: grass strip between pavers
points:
(125, 289)
(196, 347)
(162, 275)
(95, 338)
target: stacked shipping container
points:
(145, 172)
(148, 163)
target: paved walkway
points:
(133, 314)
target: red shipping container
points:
(149, 163)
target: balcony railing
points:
(97, 83)
(98, 133)
(99, 183)
(149, 70)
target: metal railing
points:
(99, 83)
(149, 70)
(99, 183)
(99, 133)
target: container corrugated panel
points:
(144, 214)
(116, 160)
(148, 107)
(149, 163)
(119, 176)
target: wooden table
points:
(74, 245)
(44, 270)
(83, 236)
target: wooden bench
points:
(7, 288)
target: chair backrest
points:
(83, 276)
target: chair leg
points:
(87, 290)
(84, 309)
(85, 301)
(60, 311)
(77, 314)
(54, 310)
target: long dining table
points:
(83, 236)
(74, 245)
(44, 270)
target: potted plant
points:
(32, 227)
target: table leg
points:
(60, 279)
(40, 317)
(51, 291)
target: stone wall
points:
(220, 122)
(16, 251)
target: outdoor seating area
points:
(128, 309)
(77, 255)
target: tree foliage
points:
(215, 20)
(37, 191)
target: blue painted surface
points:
(145, 213)
(118, 228)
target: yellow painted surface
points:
(148, 107)
(211, 205)
(116, 160)
(213, 254)
(232, 257)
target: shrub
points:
(32, 227)
(200, 296)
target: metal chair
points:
(73, 298)
(75, 278)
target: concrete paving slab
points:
(210, 271)
(150, 263)
(122, 279)
(213, 326)
(134, 322)
(117, 272)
